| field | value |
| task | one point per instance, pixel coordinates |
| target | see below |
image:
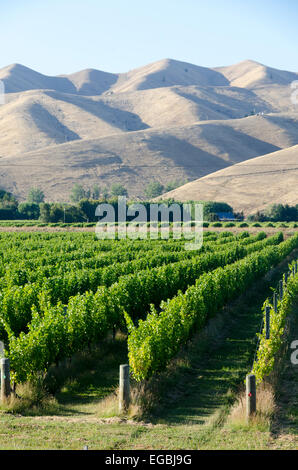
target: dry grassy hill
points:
(164, 121)
(251, 74)
(135, 158)
(251, 185)
(167, 73)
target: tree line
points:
(85, 200)
(35, 206)
(276, 213)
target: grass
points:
(266, 408)
(82, 385)
(31, 399)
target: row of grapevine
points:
(16, 301)
(88, 255)
(20, 273)
(29, 271)
(156, 340)
(269, 348)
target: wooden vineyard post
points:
(124, 388)
(5, 379)
(251, 401)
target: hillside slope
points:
(251, 74)
(163, 121)
(135, 158)
(251, 185)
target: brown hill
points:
(136, 158)
(251, 185)
(251, 74)
(165, 121)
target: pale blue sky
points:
(64, 36)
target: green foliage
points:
(284, 213)
(56, 212)
(105, 193)
(118, 189)
(32, 314)
(156, 340)
(78, 192)
(276, 213)
(154, 189)
(95, 193)
(243, 224)
(28, 210)
(8, 205)
(45, 211)
(35, 196)
(87, 208)
(269, 348)
(98, 281)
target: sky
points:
(64, 36)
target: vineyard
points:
(68, 294)
(63, 293)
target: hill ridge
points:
(167, 120)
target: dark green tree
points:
(77, 193)
(29, 210)
(87, 208)
(35, 196)
(154, 189)
(45, 212)
(105, 193)
(8, 205)
(56, 213)
(282, 213)
(95, 192)
(118, 189)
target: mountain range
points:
(232, 132)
